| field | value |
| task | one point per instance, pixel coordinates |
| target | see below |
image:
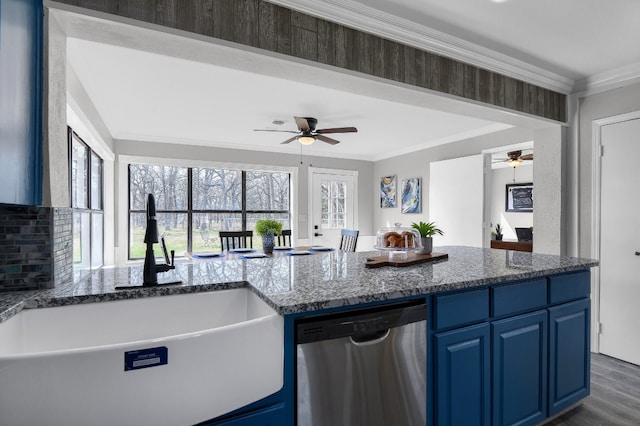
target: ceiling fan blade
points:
(271, 130)
(327, 140)
(302, 123)
(290, 140)
(526, 157)
(338, 130)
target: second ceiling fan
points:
(307, 132)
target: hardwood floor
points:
(614, 399)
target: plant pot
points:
(427, 245)
(499, 237)
(268, 241)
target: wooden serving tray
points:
(412, 259)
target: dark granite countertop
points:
(292, 284)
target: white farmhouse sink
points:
(78, 365)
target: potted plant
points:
(427, 231)
(267, 229)
(498, 232)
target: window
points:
(333, 198)
(85, 170)
(194, 204)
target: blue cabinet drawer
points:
(516, 298)
(573, 286)
(461, 308)
(269, 416)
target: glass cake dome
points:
(397, 240)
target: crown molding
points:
(608, 80)
(365, 18)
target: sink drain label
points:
(144, 358)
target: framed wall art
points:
(519, 197)
(410, 196)
(388, 191)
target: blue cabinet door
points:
(520, 369)
(21, 101)
(569, 354)
(462, 382)
(270, 416)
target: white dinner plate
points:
(321, 248)
(254, 256)
(283, 248)
(207, 254)
(241, 250)
(298, 253)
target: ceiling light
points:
(306, 140)
(515, 163)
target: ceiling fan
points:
(307, 132)
(515, 158)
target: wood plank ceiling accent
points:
(278, 29)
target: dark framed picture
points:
(519, 197)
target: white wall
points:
(417, 165)
(602, 105)
(509, 220)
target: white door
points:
(620, 241)
(333, 205)
(456, 200)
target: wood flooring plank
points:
(614, 399)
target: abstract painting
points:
(388, 191)
(411, 202)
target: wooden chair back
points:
(284, 239)
(230, 240)
(348, 239)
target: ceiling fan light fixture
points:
(515, 163)
(306, 140)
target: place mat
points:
(241, 250)
(253, 256)
(206, 254)
(318, 248)
(298, 253)
(412, 259)
(283, 248)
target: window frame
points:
(72, 137)
(190, 211)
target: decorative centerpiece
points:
(268, 229)
(397, 241)
(427, 231)
(498, 232)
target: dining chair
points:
(230, 240)
(348, 239)
(284, 239)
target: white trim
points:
(336, 172)
(608, 80)
(356, 15)
(596, 180)
(122, 192)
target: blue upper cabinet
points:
(21, 101)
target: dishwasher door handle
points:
(370, 339)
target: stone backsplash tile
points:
(36, 247)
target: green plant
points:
(428, 229)
(268, 226)
(498, 229)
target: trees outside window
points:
(194, 204)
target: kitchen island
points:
(522, 319)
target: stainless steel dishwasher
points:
(365, 367)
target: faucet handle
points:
(173, 253)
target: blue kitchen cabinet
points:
(462, 385)
(519, 352)
(269, 416)
(569, 354)
(21, 101)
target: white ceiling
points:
(153, 86)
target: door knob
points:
(638, 253)
(317, 234)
